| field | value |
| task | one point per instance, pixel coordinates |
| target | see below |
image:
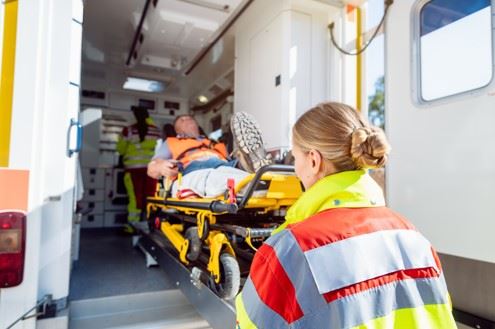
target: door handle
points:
(74, 124)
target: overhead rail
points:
(224, 30)
(138, 34)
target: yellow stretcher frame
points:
(284, 188)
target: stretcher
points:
(216, 238)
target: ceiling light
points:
(150, 86)
(209, 5)
(203, 99)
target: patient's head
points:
(186, 125)
(334, 137)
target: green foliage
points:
(376, 107)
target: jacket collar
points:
(347, 189)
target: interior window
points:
(455, 47)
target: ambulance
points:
(70, 71)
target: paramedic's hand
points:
(161, 167)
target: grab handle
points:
(77, 148)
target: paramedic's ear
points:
(315, 161)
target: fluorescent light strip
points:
(150, 86)
(210, 5)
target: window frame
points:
(416, 60)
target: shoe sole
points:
(248, 139)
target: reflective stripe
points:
(368, 256)
(437, 316)
(360, 308)
(274, 287)
(243, 320)
(132, 210)
(295, 265)
(260, 314)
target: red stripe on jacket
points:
(273, 284)
(342, 223)
(423, 273)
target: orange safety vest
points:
(188, 149)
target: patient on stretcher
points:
(204, 164)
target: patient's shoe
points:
(248, 140)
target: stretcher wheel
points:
(231, 277)
(194, 244)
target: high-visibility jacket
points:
(137, 153)
(188, 149)
(344, 260)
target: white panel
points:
(122, 100)
(94, 208)
(92, 221)
(60, 105)
(264, 95)
(286, 38)
(26, 131)
(442, 51)
(75, 53)
(77, 10)
(93, 195)
(441, 173)
(93, 177)
(72, 112)
(300, 68)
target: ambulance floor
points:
(109, 265)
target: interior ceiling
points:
(174, 32)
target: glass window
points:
(455, 47)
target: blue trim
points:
(439, 13)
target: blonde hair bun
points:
(369, 147)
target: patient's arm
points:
(161, 167)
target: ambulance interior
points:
(208, 58)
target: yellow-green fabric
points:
(348, 189)
(427, 316)
(133, 212)
(136, 153)
(242, 316)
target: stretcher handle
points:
(219, 207)
(257, 177)
(261, 232)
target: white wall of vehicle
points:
(440, 174)
(287, 39)
(448, 193)
(44, 101)
(15, 301)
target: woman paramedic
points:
(343, 259)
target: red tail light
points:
(12, 246)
